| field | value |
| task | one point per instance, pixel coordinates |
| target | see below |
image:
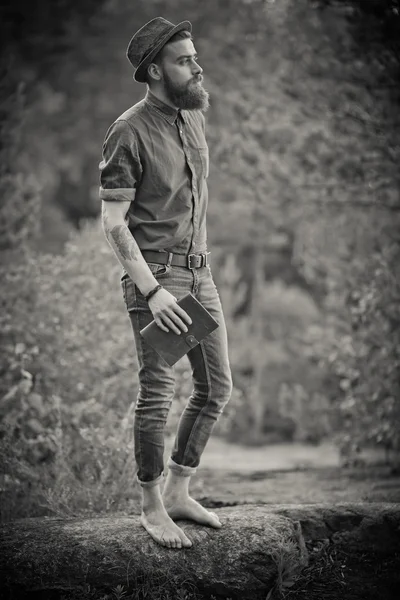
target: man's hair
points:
(181, 35)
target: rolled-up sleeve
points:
(120, 167)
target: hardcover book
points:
(171, 346)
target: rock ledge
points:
(258, 546)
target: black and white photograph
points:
(200, 299)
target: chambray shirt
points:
(157, 157)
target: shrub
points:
(68, 374)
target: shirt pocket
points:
(204, 160)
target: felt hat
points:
(148, 41)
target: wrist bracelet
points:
(153, 291)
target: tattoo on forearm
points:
(126, 245)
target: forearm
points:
(128, 253)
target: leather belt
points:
(191, 261)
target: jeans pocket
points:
(156, 268)
(129, 293)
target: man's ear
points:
(154, 71)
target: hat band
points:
(155, 42)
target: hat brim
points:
(140, 73)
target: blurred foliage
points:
(35, 38)
(303, 226)
(41, 32)
(63, 398)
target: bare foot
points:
(163, 530)
(188, 508)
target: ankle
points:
(151, 499)
(176, 485)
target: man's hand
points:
(167, 313)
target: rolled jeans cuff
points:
(151, 483)
(181, 470)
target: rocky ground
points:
(348, 516)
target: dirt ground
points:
(289, 474)
(302, 474)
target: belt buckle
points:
(190, 256)
(203, 260)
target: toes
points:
(172, 537)
(171, 540)
(165, 541)
(186, 542)
(174, 543)
(215, 522)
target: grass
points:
(331, 575)
(144, 590)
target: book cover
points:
(170, 346)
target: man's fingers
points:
(161, 325)
(179, 311)
(169, 323)
(174, 316)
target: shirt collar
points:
(165, 110)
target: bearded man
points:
(154, 196)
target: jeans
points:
(212, 381)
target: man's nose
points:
(197, 70)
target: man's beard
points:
(190, 96)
